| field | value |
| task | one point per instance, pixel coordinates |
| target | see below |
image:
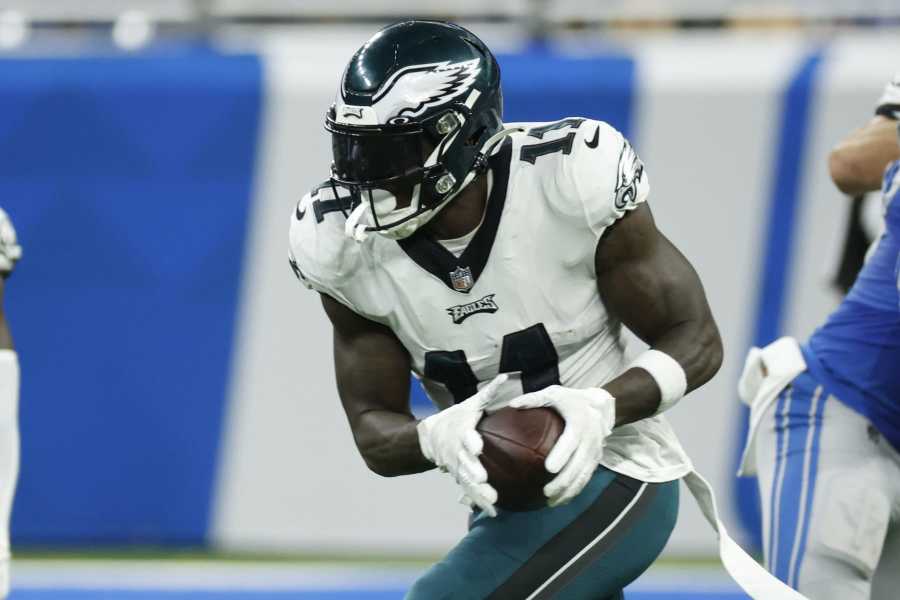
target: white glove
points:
(10, 251)
(589, 415)
(449, 440)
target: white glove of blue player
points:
(590, 416)
(10, 251)
(449, 440)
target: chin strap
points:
(492, 141)
(352, 227)
(479, 166)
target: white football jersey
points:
(522, 297)
(889, 103)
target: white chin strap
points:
(359, 221)
(361, 218)
(352, 227)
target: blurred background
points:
(181, 434)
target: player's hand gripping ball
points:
(449, 440)
(589, 416)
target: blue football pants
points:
(830, 491)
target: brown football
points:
(516, 443)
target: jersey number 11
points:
(529, 351)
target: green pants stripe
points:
(589, 549)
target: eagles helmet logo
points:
(413, 90)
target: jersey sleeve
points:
(889, 103)
(603, 175)
(321, 256)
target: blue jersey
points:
(857, 351)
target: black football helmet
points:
(417, 108)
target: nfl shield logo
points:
(461, 279)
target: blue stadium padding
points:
(129, 180)
(774, 277)
(541, 85)
(544, 86)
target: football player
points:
(825, 417)
(499, 263)
(10, 253)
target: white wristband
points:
(667, 373)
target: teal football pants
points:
(589, 549)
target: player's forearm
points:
(857, 163)
(694, 344)
(637, 396)
(389, 443)
(697, 346)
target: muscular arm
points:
(372, 370)
(857, 163)
(651, 287)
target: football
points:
(516, 443)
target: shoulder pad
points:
(321, 256)
(588, 170)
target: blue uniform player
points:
(825, 416)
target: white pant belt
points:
(766, 372)
(746, 572)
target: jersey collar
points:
(460, 274)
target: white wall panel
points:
(706, 128)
